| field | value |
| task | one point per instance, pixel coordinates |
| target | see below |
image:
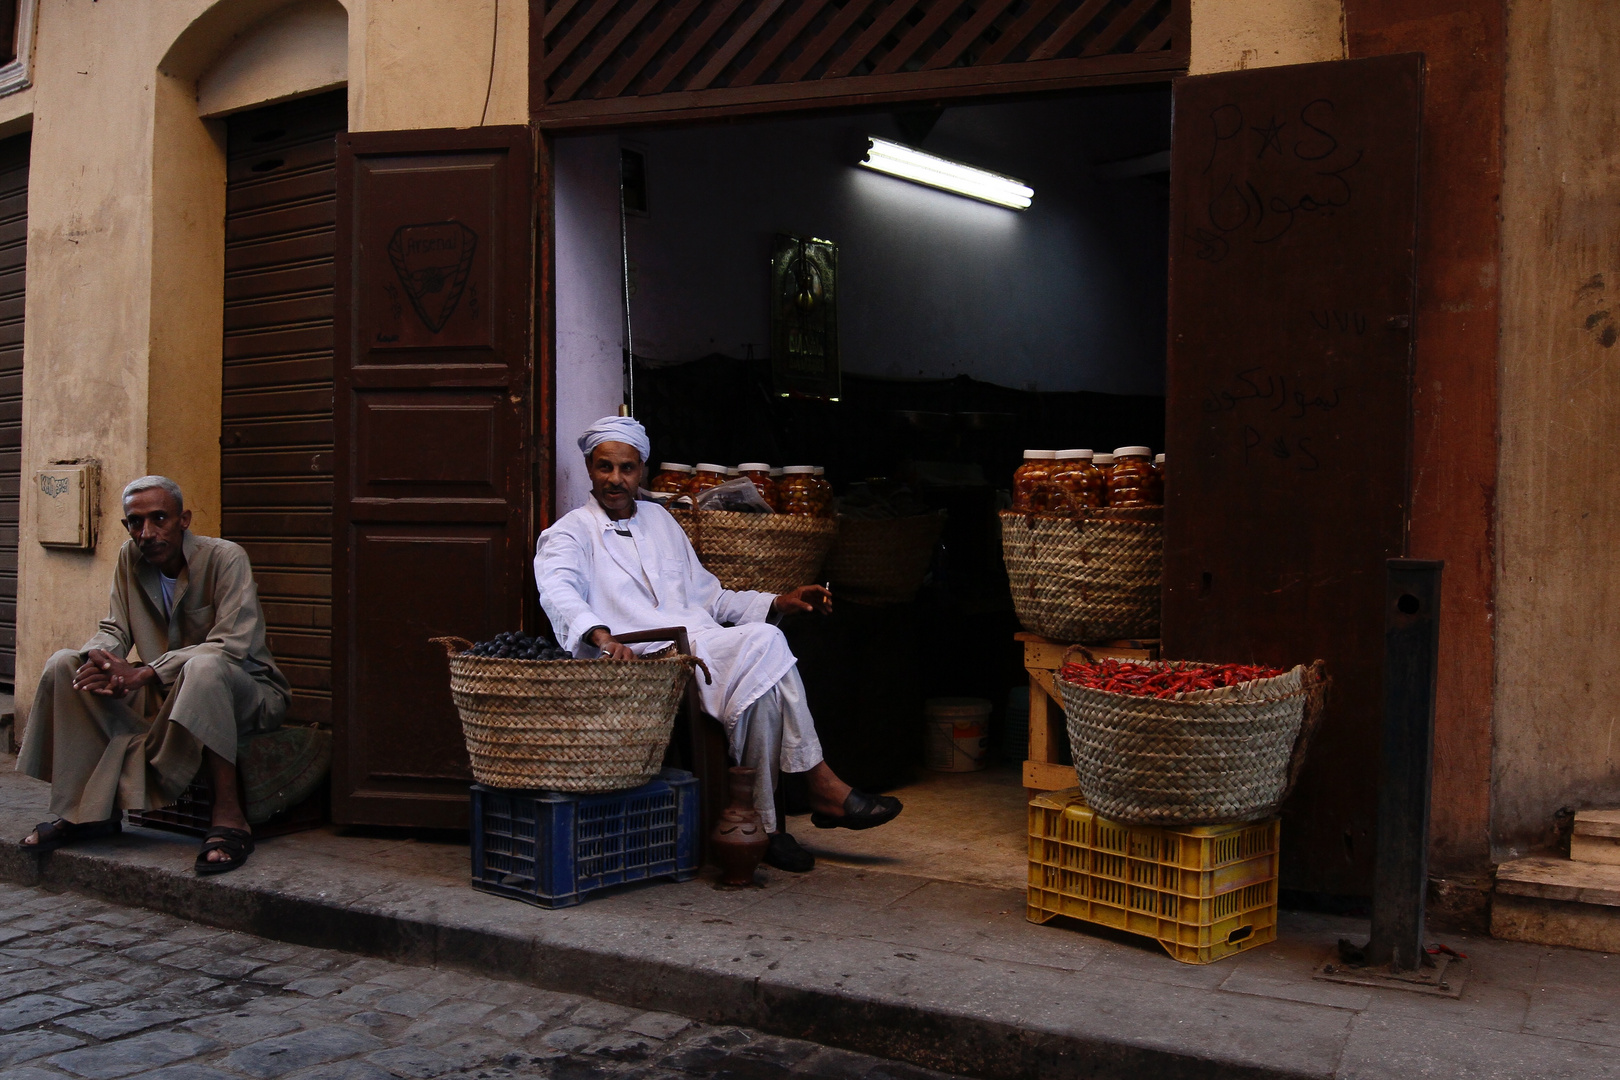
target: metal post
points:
(629, 406)
(1411, 649)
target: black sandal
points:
(786, 853)
(861, 811)
(55, 834)
(235, 843)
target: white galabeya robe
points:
(590, 575)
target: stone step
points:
(1596, 838)
(1558, 902)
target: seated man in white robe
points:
(620, 565)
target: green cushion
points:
(281, 768)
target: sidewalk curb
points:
(885, 1028)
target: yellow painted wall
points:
(126, 230)
(1557, 708)
(1229, 35)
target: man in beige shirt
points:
(112, 734)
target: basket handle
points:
(1317, 684)
(697, 662)
(452, 644)
(1087, 653)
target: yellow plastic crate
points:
(1204, 891)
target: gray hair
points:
(147, 483)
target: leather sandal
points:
(861, 811)
(237, 844)
(786, 853)
(55, 834)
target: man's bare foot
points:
(227, 802)
(50, 835)
(827, 792)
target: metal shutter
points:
(276, 441)
(13, 254)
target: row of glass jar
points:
(790, 489)
(1064, 481)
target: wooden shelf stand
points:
(1043, 771)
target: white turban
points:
(619, 429)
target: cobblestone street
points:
(94, 990)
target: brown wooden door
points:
(433, 450)
(1293, 210)
(276, 432)
(13, 256)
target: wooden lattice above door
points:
(602, 61)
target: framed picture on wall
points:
(804, 316)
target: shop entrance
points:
(276, 442)
(968, 332)
(1282, 236)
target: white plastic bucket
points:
(958, 734)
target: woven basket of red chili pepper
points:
(1187, 743)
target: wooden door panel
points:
(433, 450)
(459, 582)
(430, 443)
(433, 292)
(1293, 209)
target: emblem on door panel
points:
(432, 261)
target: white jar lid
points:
(819, 470)
(673, 466)
(1134, 451)
(1103, 459)
(798, 470)
(776, 471)
(1158, 459)
(1073, 455)
(732, 470)
(1040, 455)
(709, 466)
(754, 466)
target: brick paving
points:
(96, 991)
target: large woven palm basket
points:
(565, 725)
(1206, 757)
(1092, 578)
(883, 560)
(765, 552)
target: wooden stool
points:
(1042, 659)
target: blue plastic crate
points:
(551, 848)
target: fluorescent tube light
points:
(909, 163)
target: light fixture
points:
(909, 163)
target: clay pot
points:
(739, 841)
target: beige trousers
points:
(780, 738)
(104, 754)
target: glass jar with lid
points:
(672, 478)
(1076, 483)
(824, 492)
(797, 493)
(1032, 481)
(760, 473)
(708, 475)
(1103, 463)
(1158, 477)
(1131, 480)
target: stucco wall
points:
(299, 50)
(1229, 35)
(124, 302)
(1558, 502)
